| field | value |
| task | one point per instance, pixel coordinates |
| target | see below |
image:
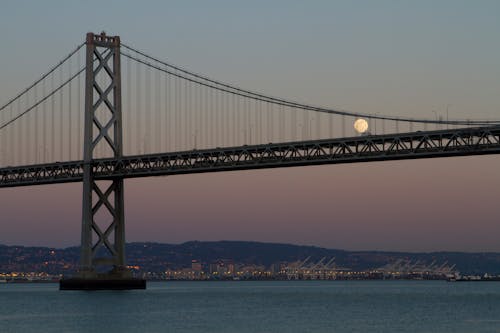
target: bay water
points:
(256, 306)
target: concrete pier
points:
(101, 284)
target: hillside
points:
(157, 257)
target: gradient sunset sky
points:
(404, 58)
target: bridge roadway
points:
(440, 143)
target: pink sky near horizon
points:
(417, 205)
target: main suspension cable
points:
(60, 63)
(278, 101)
(42, 100)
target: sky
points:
(406, 58)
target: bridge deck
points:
(442, 143)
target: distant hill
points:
(157, 257)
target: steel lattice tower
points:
(103, 221)
(103, 59)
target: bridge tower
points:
(102, 262)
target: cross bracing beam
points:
(443, 143)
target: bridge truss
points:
(443, 143)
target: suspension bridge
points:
(108, 111)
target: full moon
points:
(360, 125)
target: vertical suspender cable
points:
(147, 128)
(184, 115)
(197, 115)
(11, 138)
(3, 141)
(317, 135)
(178, 140)
(35, 142)
(18, 145)
(217, 119)
(61, 125)
(168, 110)
(52, 120)
(139, 111)
(330, 126)
(79, 128)
(343, 126)
(270, 127)
(234, 115)
(305, 124)
(222, 120)
(44, 125)
(27, 132)
(158, 113)
(211, 115)
(284, 122)
(251, 120)
(259, 122)
(237, 111)
(176, 113)
(70, 118)
(189, 114)
(206, 131)
(199, 126)
(128, 109)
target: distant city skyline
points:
(396, 58)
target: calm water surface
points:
(274, 306)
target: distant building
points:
(222, 268)
(196, 266)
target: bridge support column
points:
(102, 263)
